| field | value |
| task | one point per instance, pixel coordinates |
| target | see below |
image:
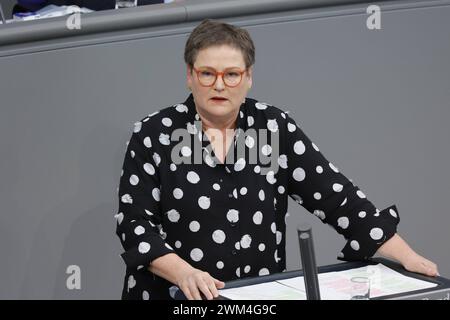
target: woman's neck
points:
(218, 124)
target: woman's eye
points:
(206, 74)
(232, 74)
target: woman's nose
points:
(219, 85)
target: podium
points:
(440, 292)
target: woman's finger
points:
(194, 291)
(187, 292)
(205, 289)
(432, 269)
(219, 284)
(212, 288)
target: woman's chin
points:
(219, 109)
(219, 103)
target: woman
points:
(190, 225)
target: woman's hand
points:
(195, 281)
(190, 280)
(417, 263)
(396, 248)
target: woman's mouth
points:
(219, 99)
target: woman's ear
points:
(188, 77)
(250, 77)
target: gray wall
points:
(375, 102)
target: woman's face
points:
(219, 58)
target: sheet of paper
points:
(264, 291)
(333, 285)
(384, 281)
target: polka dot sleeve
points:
(319, 186)
(139, 218)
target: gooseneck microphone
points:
(2, 16)
(308, 262)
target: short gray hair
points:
(211, 33)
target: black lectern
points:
(439, 292)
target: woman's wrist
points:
(171, 267)
(396, 248)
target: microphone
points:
(2, 16)
(308, 262)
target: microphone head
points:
(304, 227)
(2, 16)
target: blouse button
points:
(230, 195)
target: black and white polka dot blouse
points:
(229, 218)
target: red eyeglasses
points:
(231, 77)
